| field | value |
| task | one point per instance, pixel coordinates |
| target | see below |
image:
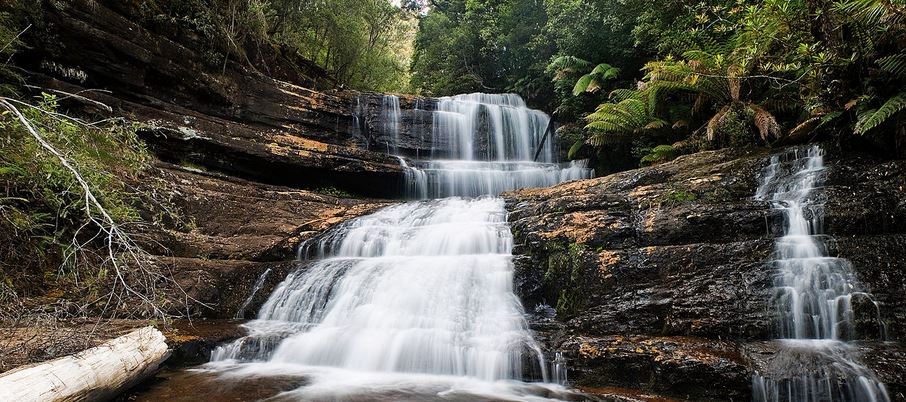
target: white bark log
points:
(95, 374)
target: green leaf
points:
(873, 118)
(573, 150)
(582, 84)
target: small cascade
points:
(559, 370)
(258, 284)
(419, 108)
(813, 295)
(419, 288)
(390, 116)
(512, 130)
(489, 143)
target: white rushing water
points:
(416, 300)
(489, 145)
(813, 295)
(390, 116)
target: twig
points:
(11, 43)
(107, 224)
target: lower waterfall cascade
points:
(813, 295)
(419, 296)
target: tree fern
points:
(871, 119)
(873, 12)
(574, 150)
(766, 123)
(621, 94)
(894, 64)
(594, 80)
(565, 65)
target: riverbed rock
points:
(229, 231)
(681, 251)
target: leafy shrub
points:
(43, 209)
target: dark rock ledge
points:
(659, 276)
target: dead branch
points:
(118, 244)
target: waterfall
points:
(489, 143)
(419, 296)
(258, 284)
(390, 116)
(813, 295)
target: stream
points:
(415, 301)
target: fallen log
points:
(95, 374)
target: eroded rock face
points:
(677, 255)
(256, 120)
(232, 231)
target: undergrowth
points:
(45, 236)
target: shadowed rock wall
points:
(659, 276)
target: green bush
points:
(43, 218)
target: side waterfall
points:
(420, 294)
(813, 295)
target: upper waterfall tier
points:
(480, 144)
(492, 128)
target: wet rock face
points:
(259, 121)
(689, 368)
(668, 250)
(231, 232)
(682, 250)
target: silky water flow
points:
(813, 295)
(416, 300)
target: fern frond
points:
(606, 126)
(766, 123)
(872, 12)
(594, 80)
(894, 64)
(573, 150)
(805, 127)
(715, 121)
(598, 139)
(619, 95)
(562, 66)
(875, 117)
(606, 71)
(582, 84)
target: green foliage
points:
(595, 80)
(615, 121)
(727, 70)
(673, 197)
(659, 154)
(335, 192)
(565, 266)
(364, 44)
(480, 45)
(43, 210)
(894, 64)
(870, 119)
(10, 28)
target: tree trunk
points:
(96, 374)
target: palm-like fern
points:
(875, 117)
(713, 80)
(563, 66)
(894, 64)
(877, 13)
(614, 121)
(594, 80)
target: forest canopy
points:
(645, 81)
